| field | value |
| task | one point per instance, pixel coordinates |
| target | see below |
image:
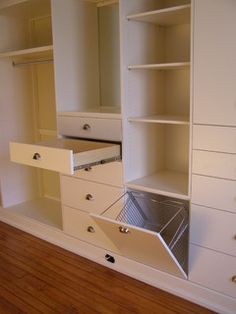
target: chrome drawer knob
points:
(89, 197)
(86, 127)
(124, 230)
(91, 229)
(233, 279)
(88, 169)
(37, 156)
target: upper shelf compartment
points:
(162, 39)
(25, 28)
(165, 17)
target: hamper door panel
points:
(144, 246)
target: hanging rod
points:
(22, 64)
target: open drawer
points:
(64, 155)
(151, 229)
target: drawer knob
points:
(86, 126)
(124, 230)
(37, 156)
(91, 229)
(88, 169)
(89, 197)
(234, 279)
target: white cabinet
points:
(60, 80)
(212, 226)
(86, 84)
(156, 63)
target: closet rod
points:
(21, 64)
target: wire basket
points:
(166, 216)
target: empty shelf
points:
(166, 119)
(169, 183)
(169, 16)
(44, 210)
(36, 52)
(159, 66)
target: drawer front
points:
(215, 193)
(79, 225)
(50, 158)
(213, 138)
(88, 196)
(213, 270)
(111, 174)
(214, 164)
(96, 128)
(213, 229)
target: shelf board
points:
(169, 183)
(160, 66)
(10, 3)
(43, 210)
(165, 119)
(96, 112)
(169, 16)
(36, 52)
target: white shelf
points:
(97, 112)
(160, 66)
(43, 210)
(36, 52)
(169, 183)
(169, 16)
(10, 3)
(165, 119)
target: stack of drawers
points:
(90, 190)
(213, 209)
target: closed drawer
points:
(213, 229)
(213, 192)
(88, 196)
(86, 127)
(214, 138)
(63, 155)
(214, 164)
(111, 174)
(79, 225)
(213, 270)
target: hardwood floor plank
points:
(64, 282)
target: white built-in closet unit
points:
(118, 136)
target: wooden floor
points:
(37, 277)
